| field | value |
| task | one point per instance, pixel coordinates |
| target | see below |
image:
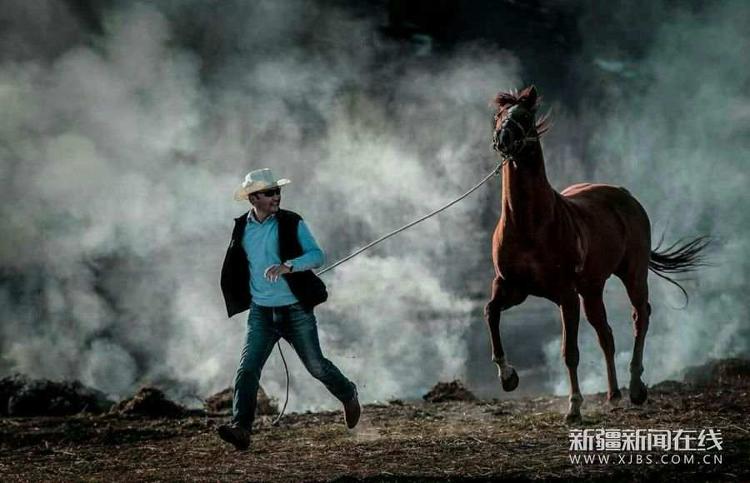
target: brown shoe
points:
(233, 434)
(352, 410)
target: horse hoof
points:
(511, 382)
(573, 419)
(638, 393)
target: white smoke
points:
(120, 157)
(120, 151)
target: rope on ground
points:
(286, 398)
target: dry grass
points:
(520, 440)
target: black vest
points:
(235, 274)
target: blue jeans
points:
(297, 325)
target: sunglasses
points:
(270, 193)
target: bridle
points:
(528, 136)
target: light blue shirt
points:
(261, 244)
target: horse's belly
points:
(533, 272)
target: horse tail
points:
(680, 257)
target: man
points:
(268, 270)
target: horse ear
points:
(528, 97)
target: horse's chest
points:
(527, 268)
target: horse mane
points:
(528, 98)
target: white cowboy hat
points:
(258, 180)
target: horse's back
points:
(604, 199)
(595, 189)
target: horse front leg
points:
(501, 299)
(570, 311)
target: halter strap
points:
(526, 139)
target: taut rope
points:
(494, 172)
(409, 225)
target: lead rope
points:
(286, 398)
(494, 172)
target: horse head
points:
(515, 124)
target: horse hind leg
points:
(637, 288)
(596, 314)
(502, 298)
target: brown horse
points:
(564, 245)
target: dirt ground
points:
(519, 440)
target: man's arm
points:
(312, 256)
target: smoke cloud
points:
(120, 156)
(122, 144)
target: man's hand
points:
(273, 272)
